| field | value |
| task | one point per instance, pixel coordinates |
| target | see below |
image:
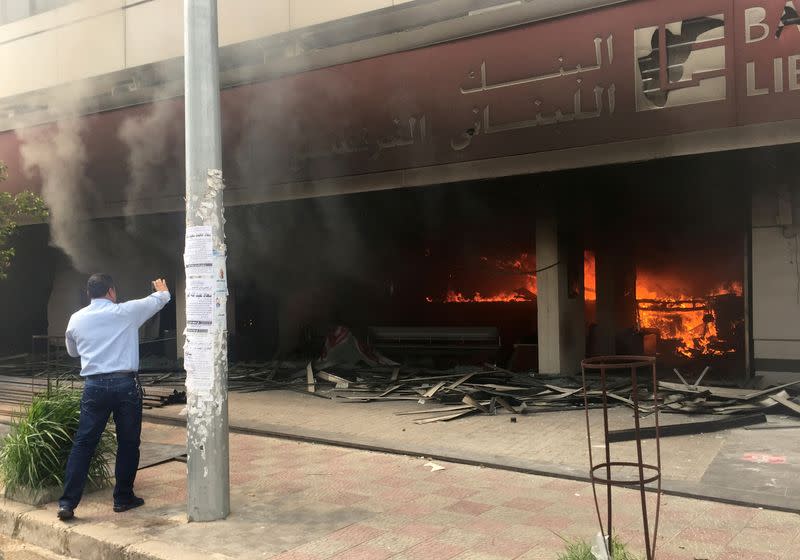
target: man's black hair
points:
(98, 285)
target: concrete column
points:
(559, 264)
(774, 289)
(208, 464)
(615, 271)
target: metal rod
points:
(604, 389)
(640, 459)
(591, 455)
(631, 364)
(658, 457)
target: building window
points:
(14, 10)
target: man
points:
(105, 335)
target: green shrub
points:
(35, 452)
(577, 550)
(581, 550)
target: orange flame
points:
(589, 277)
(679, 316)
(663, 303)
(458, 297)
(520, 270)
(525, 266)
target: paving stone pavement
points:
(707, 466)
(554, 437)
(303, 501)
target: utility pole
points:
(205, 349)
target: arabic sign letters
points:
(636, 70)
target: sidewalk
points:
(706, 466)
(301, 501)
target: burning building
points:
(595, 177)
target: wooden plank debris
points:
(490, 390)
(461, 380)
(456, 392)
(445, 418)
(786, 402)
(435, 410)
(340, 382)
(486, 389)
(311, 385)
(390, 390)
(723, 392)
(504, 403)
(433, 390)
(475, 404)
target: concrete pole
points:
(179, 295)
(206, 337)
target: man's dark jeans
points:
(103, 396)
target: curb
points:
(90, 540)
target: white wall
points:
(776, 285)
(89, 38)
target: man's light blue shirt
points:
(106, 334)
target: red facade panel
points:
(636, 70)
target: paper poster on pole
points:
(198, 354)
(220, 292)
(199, 246)
(200, 298)
(198, 360)
(198, 255)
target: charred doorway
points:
(675, 233)
(464, 255)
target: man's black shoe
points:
(134, 503)
(65, 513)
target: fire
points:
(589, 278)
(519, 295)
(519, 271)
(663, 306)
(524, 267)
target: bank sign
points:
(636, 70)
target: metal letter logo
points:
(680, 63)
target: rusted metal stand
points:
(645, 474)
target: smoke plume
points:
(57, 153)
(151, 159)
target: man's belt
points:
(114, 375)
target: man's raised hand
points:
(160, 285)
